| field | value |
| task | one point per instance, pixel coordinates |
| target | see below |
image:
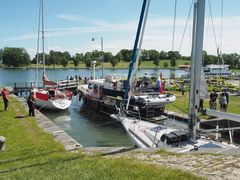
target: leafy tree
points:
(153, 55)
(80, 57)
(144, 55)
(165, 65)
(231, 59)
(163, 55)
(114, 62)
(173, 62)
(15, 57)
(55, 57)
(47, 60)
(88, 59)
(1, 53)
(174, 55)
(77, 59)
(126, 55)
(64, 62)
(108, 57)
(67, 55)
(208, 59)
(119, 56)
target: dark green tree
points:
(88, 59)
(77, 59)
(165, 65)
(108, 57)
(119, 56)
(153, 55)
(114, 62)
(163, 55)
(15, 57)
(64, 62)
(144, 55)
(1, 53)
(126, 55)
(173, 62)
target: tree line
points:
(18, 57)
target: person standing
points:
(146, 80)
(223, 102)
(227, 98)
(213, 100)
(5, 94)
(182, 89)
(31, 104)
(158, 85)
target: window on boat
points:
(90, 86)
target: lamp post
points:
(93, 39)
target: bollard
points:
(2, 143)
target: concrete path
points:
(219, 165)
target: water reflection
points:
(88, 127)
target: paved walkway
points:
(211, 166)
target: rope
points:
(211, 16)
(174, 24)
(185, 28)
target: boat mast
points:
(43, 53)
(196, 65)
(139, 50)
(135, 49)
(38, 37)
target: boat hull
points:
(55, 104)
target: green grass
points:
(182, 103)
(122, 64)
(32, 154)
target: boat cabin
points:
(217, 70)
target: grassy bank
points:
(32, 154)
(122, 64)
(182, 102)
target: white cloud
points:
(71, 17)
(158, 34)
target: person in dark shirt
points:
(31, 104)
(213, 100)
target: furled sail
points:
(48, 82)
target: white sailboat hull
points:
(55, 104)
(150, 135)
(152, 100)
(51, 99)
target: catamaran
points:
(49, 97)
(146, 134)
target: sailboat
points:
(147, 134)
(49, 97)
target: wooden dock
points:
(24, 88)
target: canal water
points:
(87, 127)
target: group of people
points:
(223, 100)
(30, 101)
(146, 82)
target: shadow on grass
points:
(29, 157)
(20, 116)
(40, 164)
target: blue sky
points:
(71, 24)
